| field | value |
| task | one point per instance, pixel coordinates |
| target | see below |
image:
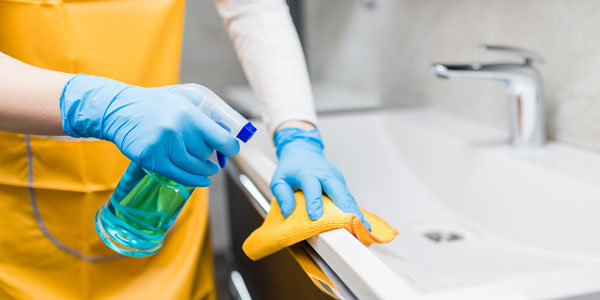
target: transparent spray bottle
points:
(144, 205)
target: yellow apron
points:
(50, 188)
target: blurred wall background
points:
(385, 47)
(389, 48)
(208, 55)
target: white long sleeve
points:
(271, 55)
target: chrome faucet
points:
(525, 91)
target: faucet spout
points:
(527, 127)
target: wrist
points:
(294, 136)
(83, 103)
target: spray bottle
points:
(144, 205)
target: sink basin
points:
(477, 218)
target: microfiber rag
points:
(277, 232)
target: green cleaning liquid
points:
(140, 212)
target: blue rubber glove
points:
(160, 129)
(302, 165)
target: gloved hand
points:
(160, 129)
(303, 165)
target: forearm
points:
(271, 56)
(29, 98)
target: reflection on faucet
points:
(524, 84)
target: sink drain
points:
(443, 236)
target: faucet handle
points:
(527, 55)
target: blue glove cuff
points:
(83, 103)
(290, 134)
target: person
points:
(68, 133)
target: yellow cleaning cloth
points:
(277, 233)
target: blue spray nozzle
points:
(246, 132)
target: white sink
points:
(511, 223)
